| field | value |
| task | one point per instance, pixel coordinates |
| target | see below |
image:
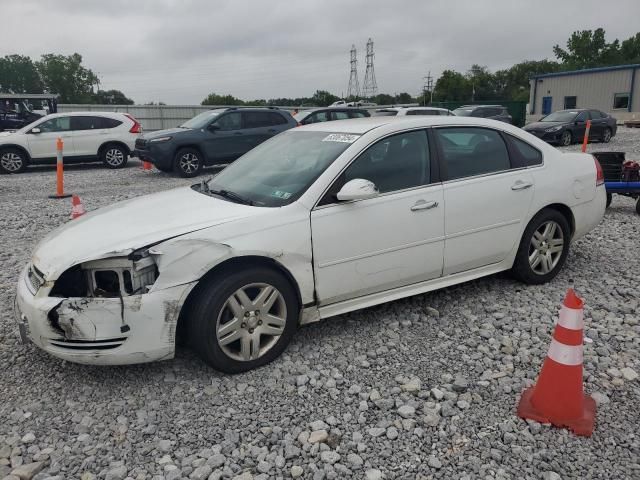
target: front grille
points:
(35, 278)
(107, 344)
(141, 143)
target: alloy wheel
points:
(545, 248)
(606, 138)
(11, 162)
(114, 157)
(189, 163)
(251, 321)
(566, 139)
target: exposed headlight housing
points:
(554, 129)
(160, 139)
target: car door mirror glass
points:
(357, 189)
(35, 130)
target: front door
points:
(580, 126)
(546, 105)
(225, 139)
(486, 201)
(42, 145)
(391, 240)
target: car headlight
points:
(554, 129)
(160, 139)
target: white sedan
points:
(318, 221)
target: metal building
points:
(615, 90)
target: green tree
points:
(66, 76)
(451, 87)
(323, 98)
(18, 74)
(215, 99)
(111, 97)
(513, 83)
(630, 49)
(383, 99)
(404, 97)
(588, 48)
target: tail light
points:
(137, 128)
(298, 124)
(599, 173)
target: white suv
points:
(87, 136)
(400, 111)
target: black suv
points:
(492, 112)
(329, 114)
(212, 138)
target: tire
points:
(606, 135)
(638, 206)
(187, 162)
(566, 138)
(609, 199)
(114, 156)
(164, 169)
(227, 341)
(548, 261)
(13, 160)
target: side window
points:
(467, 152)
(109, 122)
(423, 112)
(357, 114)
(595, 114)
(523, 154)
(256, 119)
(86, 123)
(570, 102)
(340, 115)
(394, 163)
(323, 116)
(582, 117)
(59, 124)
(276, 119)
(229, 121)
(478, 112)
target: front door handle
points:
(520, 185)
(423, 205)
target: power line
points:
(427, 87)
(354, 86)
(370, 87)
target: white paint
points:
(571, 318)
(570, 355)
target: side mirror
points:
(35, 130)
(357, 189)
(213, 127)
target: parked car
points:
(328, 114)
(493, 112)
(88, 137)
(565, 127)
(401, 111)
(338, 103)
(19, 110)
(318, 221)
(214, 137)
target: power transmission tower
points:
(427, 87)
(354, 87)
(370, 87)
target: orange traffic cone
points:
(558, 397)
(146, 165)
(77, 209)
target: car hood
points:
(542, 125)
(164, 133)
(119, 229)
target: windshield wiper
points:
(231, 196)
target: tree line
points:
(66, 76)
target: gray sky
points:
(179, 51)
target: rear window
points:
(277, 119)
(523, 154)
(423, 112)
(109, 122)
(358, 114)
(385, 113)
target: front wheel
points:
(566, 138)
(188, 162)
(638, 206)
(114, 156)
(543, 248)
(606, 136)
(609, 199)
(243, 320)
(12, 160)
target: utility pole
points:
(370, 87)
(354, 86)
(427, 86)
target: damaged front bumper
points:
(101, 330)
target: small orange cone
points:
(558, 397)
(146, 165)
(77, 209)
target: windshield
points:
(280, 170)
(463, 112)
(566, 116)
(202, 120)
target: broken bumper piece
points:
(101, 331)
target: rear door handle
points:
(520, 185)
(423, 205)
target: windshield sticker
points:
(281, 194)
(341, 137)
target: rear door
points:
(486, 199)
(43, 145)
(257, 127)
(88, 133)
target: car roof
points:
(391, 124)
(481, 106)
(85, 114)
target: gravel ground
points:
(424, 387)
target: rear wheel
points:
(188, 162)
(244, 319)
(638, 207)
(13, 160)
(543, 248)
(114, 156)
(606, 135)
(566, 138)
(609, 199)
